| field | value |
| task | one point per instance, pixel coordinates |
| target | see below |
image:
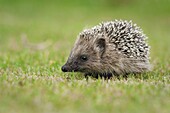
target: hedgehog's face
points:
(85, 56)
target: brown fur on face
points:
(96, 53)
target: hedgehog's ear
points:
(101, 45)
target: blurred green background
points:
(36, 37)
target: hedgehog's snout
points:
(69, 68)
(64, 68)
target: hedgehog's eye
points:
(83, 57)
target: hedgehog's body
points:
(111, 48)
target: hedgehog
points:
(109, 49)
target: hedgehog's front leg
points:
(94, 75)
(99, 75)
(106, 75)
(87, 74)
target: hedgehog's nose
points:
(64, 68)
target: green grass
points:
(31, 80)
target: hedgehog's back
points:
(124, 36)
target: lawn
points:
(37, 36)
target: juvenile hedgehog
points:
(111, 48)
